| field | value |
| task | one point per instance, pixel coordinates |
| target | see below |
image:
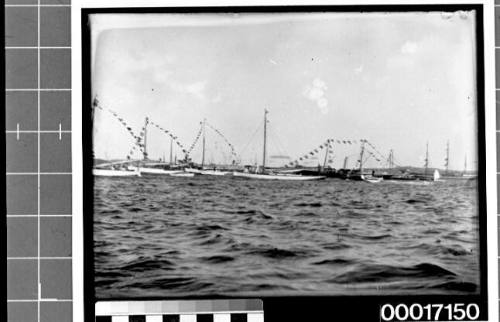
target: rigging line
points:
(170, 133)
(280, 146)
(272, 145)
(252, 137)
(375, 149)
(231, 146)
(397, 164)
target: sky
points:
(399, 80)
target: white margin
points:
(491, 164)
(490, 120)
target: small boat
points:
(114, 173)
(371, 179)
(269, 176)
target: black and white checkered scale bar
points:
(181, 311)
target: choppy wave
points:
(225, 236)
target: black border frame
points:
(294, 308)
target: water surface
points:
(171, 236)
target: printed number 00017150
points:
(430, 312)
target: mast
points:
(361, 156)
(171, 148)
(447, 159)
(426, 158)
(390, 159)
(203, 150)
(345, 162)
(145, 139)
(465, 164)
(265, 141)
(326, 153)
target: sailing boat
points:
(436, 175)
(153, 168)
(212, 172)
(366, 177)
(266, 175)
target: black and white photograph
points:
(285, 153)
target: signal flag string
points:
(233, 152)
(328, 143)
(137, 139)
(198, 135)
(169, 133)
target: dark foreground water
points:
(168, 236)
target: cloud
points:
(409, 47)
(358, 70)
(196, 89)
(316, 93)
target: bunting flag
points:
(329, 144)
(169, 133)
(198, 135)
(233, 152)
(380, 155)
(138, 144)
(137, 139)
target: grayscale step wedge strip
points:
(180, 311)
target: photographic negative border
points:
(278, 308)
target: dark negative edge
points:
(278, 308)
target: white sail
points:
(436, 175)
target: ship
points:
(263, 174)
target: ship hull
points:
(277, 177)
(115, 173)
(154, 171)
(207, 172)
